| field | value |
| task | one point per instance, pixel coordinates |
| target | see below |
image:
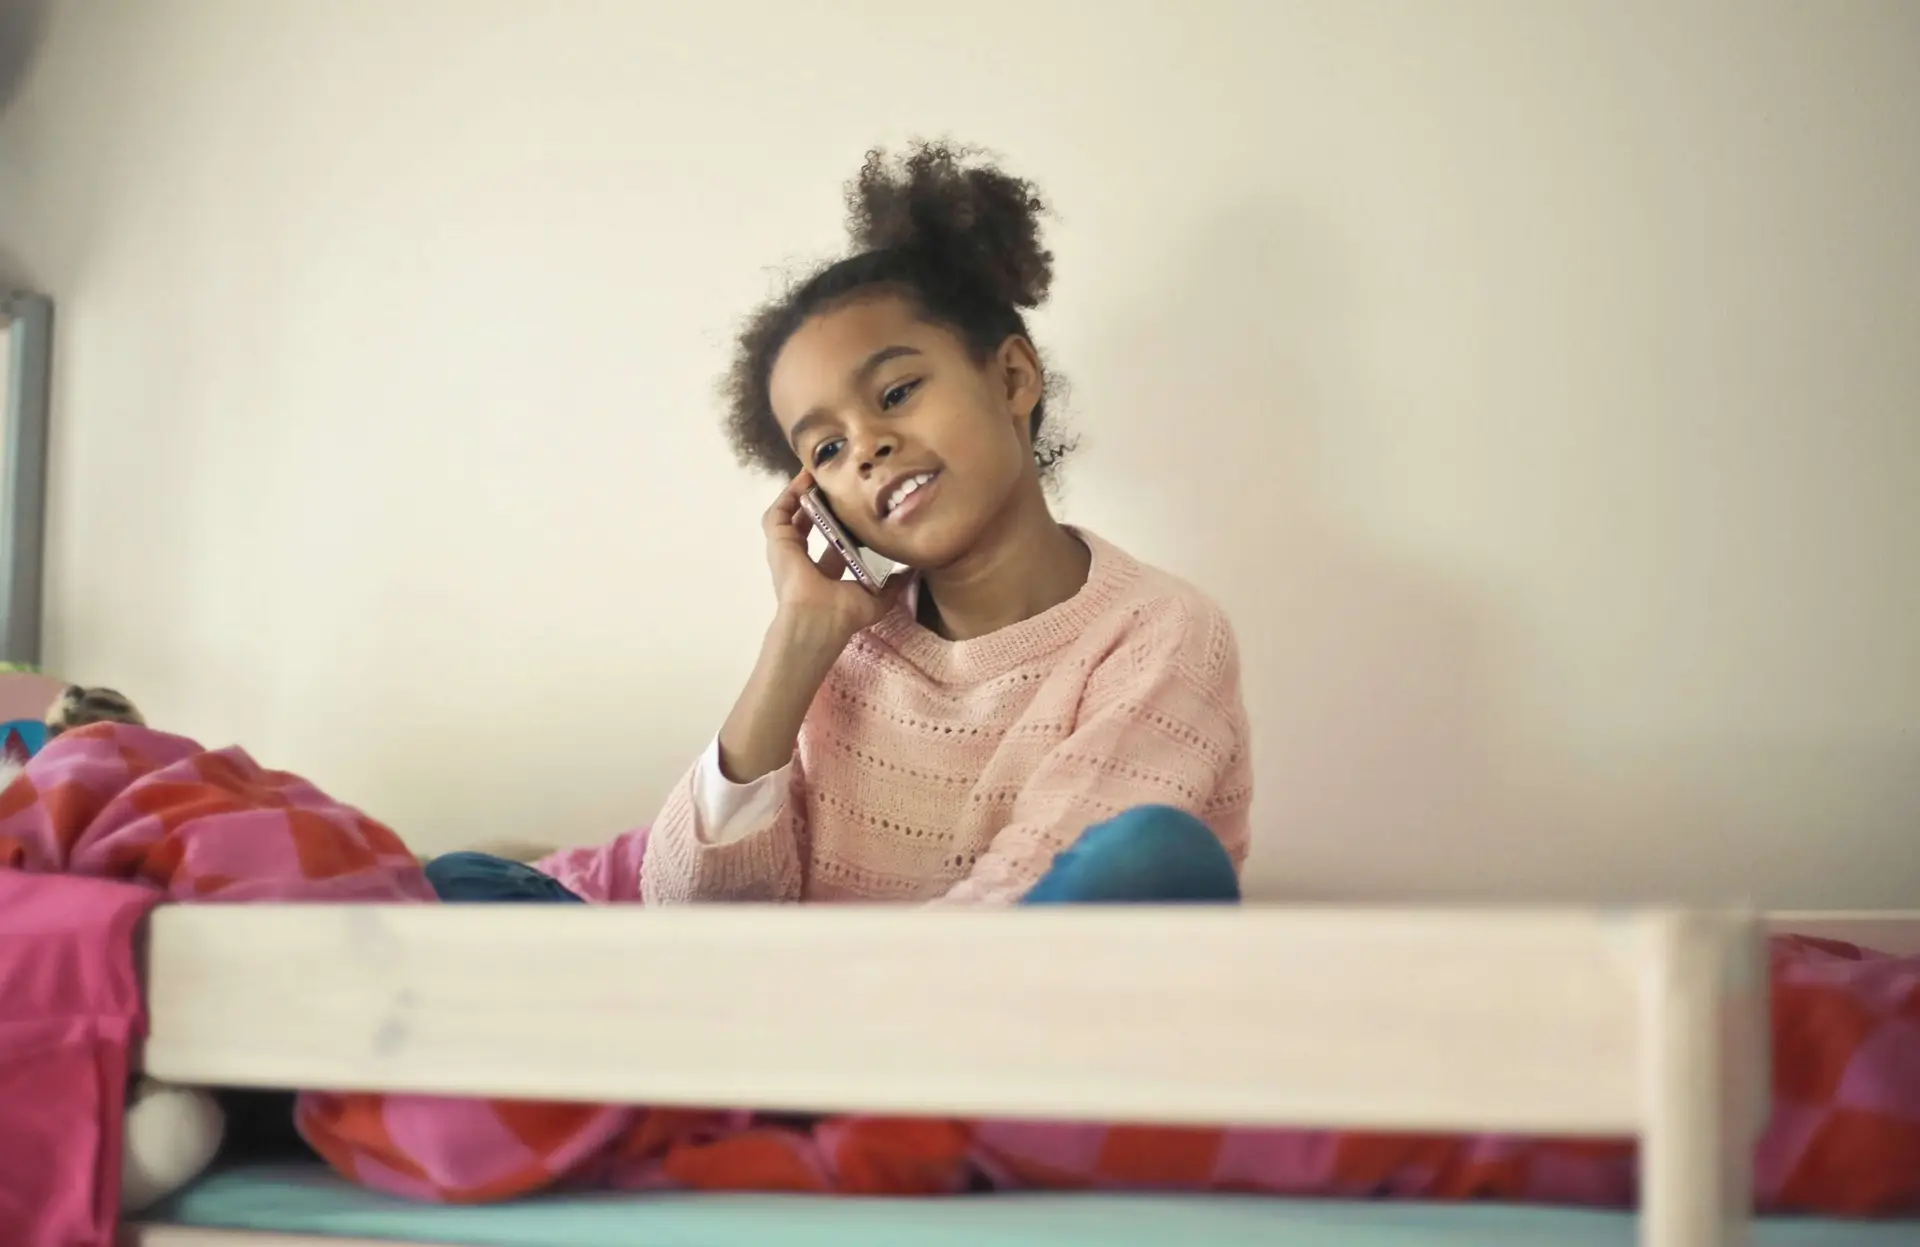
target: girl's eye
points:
(897, 394)
(826, 450)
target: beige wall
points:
(1538, 384)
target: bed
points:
(1648, 1023)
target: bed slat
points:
(1502, 1020)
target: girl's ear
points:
(1019, 366)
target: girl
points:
(1030, 715)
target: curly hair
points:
(954, 235)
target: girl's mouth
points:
(908, 496)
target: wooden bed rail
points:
(1894, 931)
(1578, 1022)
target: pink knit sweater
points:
(930, 769)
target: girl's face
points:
(919, 447)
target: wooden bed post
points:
(1703, 1089)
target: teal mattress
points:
(304, 1199)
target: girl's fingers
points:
(789, 498)
(785, 518)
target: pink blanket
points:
(69, 1011)
(213, 826)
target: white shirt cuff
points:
(725, 812)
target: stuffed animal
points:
(77, 707)
(172, 1135)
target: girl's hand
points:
(812, 594)
(819, 613)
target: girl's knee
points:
(483, 877)
(1152, 853)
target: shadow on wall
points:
(1366, 676)
(1391, 753)
(23, 24)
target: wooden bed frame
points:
(1588, 1022)
(1584, 1022)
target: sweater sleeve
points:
(1161, 723)
(749, 849)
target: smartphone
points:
(871, 573)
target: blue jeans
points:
(1152, 854)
